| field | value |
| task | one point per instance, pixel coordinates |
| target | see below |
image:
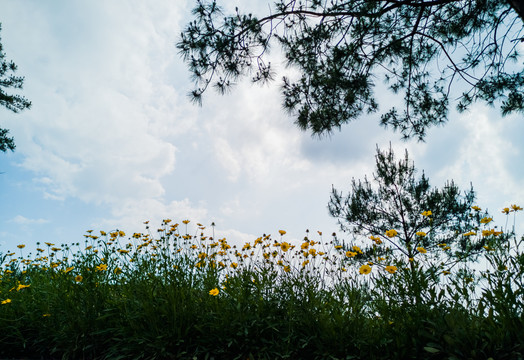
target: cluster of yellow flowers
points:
(219, 255)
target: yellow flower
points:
(304, 245)
(101, 267)
(476, 208)
(305, 263)
(122, 251)
(446, 272)
(214, 292)
(488, 232)
(505, 210)
(6, 301)
(21, 246)
(391, 269)
(351, 254)
(285, 246)
(117, 270)
(391, 233)
(20, 287)
(469, 233)
(357, 249)
(234, 265)
(364, 269)
(486, 220)
(282, 232)
(338, 247)
(287, 268)
(79, 278)
(46, 315)
(427, 213)
(515, 208)
(186, 222)
(376, 239)
(420, 249)
(421, 233)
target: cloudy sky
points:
(112, 139)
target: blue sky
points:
(112, 140)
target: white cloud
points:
(22, 220)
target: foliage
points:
(423, 216)
(403, 218)
(15, 102)
(341, 47)
(193, 296)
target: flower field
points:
(177, 292)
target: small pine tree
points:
(400, 219)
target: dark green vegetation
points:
(405, 287)
(12, 102)
(421, 49)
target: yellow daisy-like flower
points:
(282, 232)
(21, 246)
(421, 233)
(305, 263)
(20, 287)
(376, 239)
(391, 233)
(469, 233)
(391, 269)
(505, 210)
(122, 251)
(427, 213)
(185, 221)
(515, 208)
(285, 246)
(351, 254)
(6, 301)
(364, 269)
(420, 249)
(287, 268)
(101, 267)
(488, 232)
(214, 292)
(234, 265)
(486, 220)
(476, 208)
(79, 278)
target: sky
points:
(112, 140)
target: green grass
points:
(181, 296)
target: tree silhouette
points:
(15, 103)
(430, 52)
